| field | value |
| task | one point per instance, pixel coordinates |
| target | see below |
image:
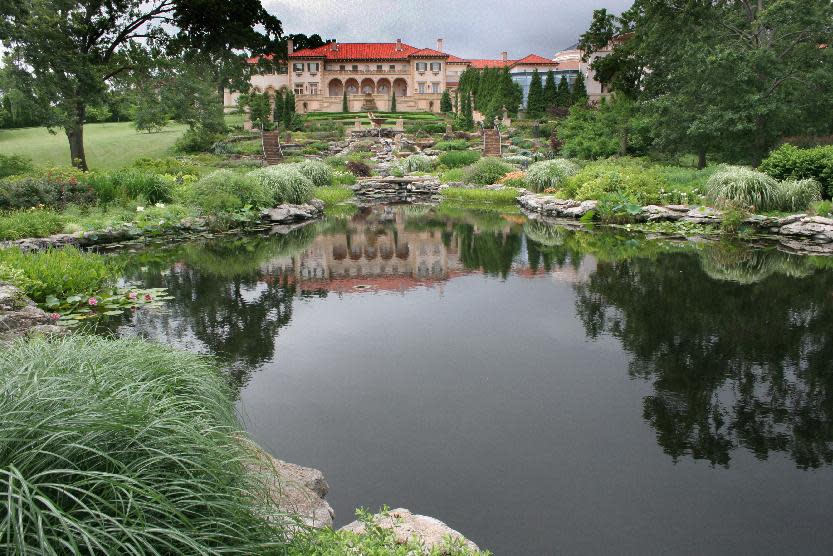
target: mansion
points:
(371, 73)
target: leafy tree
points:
(550, 91)
(445, 102)
(579, 94)
(344, 106)
(259, 108)
(563, 95)
(74, 49)
(393, 102)
(535, 97)
(612, 128)
(150, 114)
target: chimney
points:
(504, 55)
(334, 46)
(399, 45)
(289, 46)
(440, 45)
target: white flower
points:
(140, 209)
(160, 205)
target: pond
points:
(540, 389)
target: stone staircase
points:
(491, 142)
(272, 152)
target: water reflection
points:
(735, 342)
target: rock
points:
(297, 490)
(815, 227)
(288, 214)
(655, 213)
(20, 317)
(406, 526)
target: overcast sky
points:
(471, 28)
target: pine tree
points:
(562, 99)
(393, 102)
(344, 105)
(579, 95)
(445, 102)
(550, 91)
(535, 97)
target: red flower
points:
(148, 297)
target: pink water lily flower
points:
(54, 316)
(92, 301)
(132, 296)
(148, 297)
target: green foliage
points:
(285, 182)
(457, 159)
(393, 102)
(550, 91)
(578, 95)
(128, 447)
(486, 171)
(737, 186)
(465, 117)
(344, 106)
(14, 165)
(319, 173)
(167, 165)
(224, 191)
(149, 114)
(417, 163)
(631, 182)
(333, 194)
(60, 272)
(562, 98)
(519, 159)
(260, 108)
(452, 145)
(799, 195)
(453, 175)
(600, 132)
(54, 188)
(535, 102)
(197, 140)
(20, 224)
(474, 196)
(445, 102)
(790, 162)
(822, 208)
(136, 183)
(550, 174)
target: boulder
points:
(816, 227)
(20, 317)
(405, 525)
(288, 214)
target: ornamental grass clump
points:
(319, 173)
(417, 163)
(799, 195)
(737, 186)
(550, 174)
(487, 171)
(286, 183)
(458, 159)
(125, 447)
(227, 191)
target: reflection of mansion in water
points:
(377, 256)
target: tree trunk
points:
(623, 142)
(701, 157)
(75, 135)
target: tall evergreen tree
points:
(280, 107)
(465, 118)
(562, 94)
(344, 106)
(550, 91)
(288, 109)
(393, 102)
(445, 102)
(579, 95)
(535, 97)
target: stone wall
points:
(407, 189)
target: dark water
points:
(544, 391)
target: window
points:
(435, 87)
(313, 88)
(312, 67)
(298, 67)
(355, 67)
(436, 66)
(421, 66)
(379, 67)
(392, 67)
(299, 88)
(341, 67)
(421, 88)
(282, 70)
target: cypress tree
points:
(344, 105)
(535, 98)
(563, 93)
(550, 91)
(288, 108)
(445, 102)
(277, 117)
(393, 102)
(465, 117)
(579, 91)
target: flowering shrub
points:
(514, 179)
(550, 174)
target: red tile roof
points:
(358, 51)
(534, 59)
(482, 64)
(428, 52)
(456, 60)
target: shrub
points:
(790, 162)
(738, 186)
(27, 192)
(227, 191)
(318, 172)
(458, 159)
(550, 174)
(358, 168)
(622, 179)
(799, 195)
(14, 165)
(196, 140)
(453, 175)
(135, 183)
(333, 194)
(316, 147)
(417, 163)
(168, 165)
(60, 272)
(514, 179)
(486, 171)
(285, 183)
(521, 160)
(343, 178)
(453, 145)
(126, 447)
(822, 208)
(21, 224)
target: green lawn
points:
(110, 145)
